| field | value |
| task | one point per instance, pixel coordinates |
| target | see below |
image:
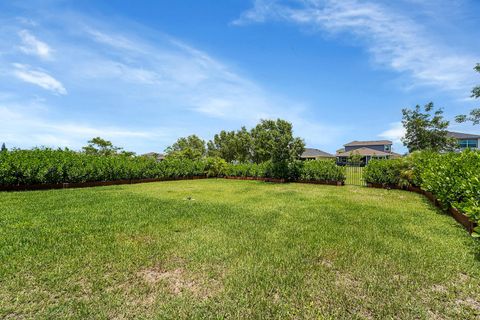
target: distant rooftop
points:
(156, 155)
(460, 135)
(364, 152)
(313, 153)
(368, 143)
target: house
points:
(158, 156)
(315, 154)
(366, 150)
(465, 140)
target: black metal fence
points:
(354, 175)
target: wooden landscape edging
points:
(48, 186)
(70, 185)
(460, 217)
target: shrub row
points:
(39, 166)
(311, 170)
(454, 178)
(48, 166)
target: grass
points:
(233, 249)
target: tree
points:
(102, 147)
(273, 140)
(4, 148)
(474, 115)
(355, 158)
(231, 145)
(426, 130)
(191, 147)
(223, 145)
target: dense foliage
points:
(325, 170)
(454, 178)
(37, 166)
(42, 166)
(426, 130)
(310, 170)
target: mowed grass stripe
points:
(233, 249)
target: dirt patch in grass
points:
(179, 281)
(470, 303)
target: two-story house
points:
(466, 140)
(366, 150)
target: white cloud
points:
(133, 78)
(31, 45)
(394, 133)
(39, 78)
(22, 125)
(393, 39)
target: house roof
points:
(460, 135)
(314, 153)
(156, 155)
(368, 143)
(364, 152)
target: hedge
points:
(310, 170)
(48, 166)
(41, 166)
(454, 178)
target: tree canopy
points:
(426, 130)
(270, 140)
(99, 146)
(191, 147)
(273, 140)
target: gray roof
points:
(156, 155)
(460, 135)
(368, 143)
(365, 152)
(313, 153)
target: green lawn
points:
(236, 249)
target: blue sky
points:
(143, 73)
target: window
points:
(468, 143)
(386, 147)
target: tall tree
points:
(274, 140)
(102, 147)
(231, 145)
(191, 147)
(243, 141)
(474, 115)
(4, 148)
(223, 145)
(426, 130)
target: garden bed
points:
(47, 186)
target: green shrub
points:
(322, 170)
(37, 166)
(384, 172)
(454, 178)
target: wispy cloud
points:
(395, 133)
(25, 125)
(38, 77)
(122, 78)
(31, 45)
(393, 39)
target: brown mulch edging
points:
(48, 186)
(455, 213)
